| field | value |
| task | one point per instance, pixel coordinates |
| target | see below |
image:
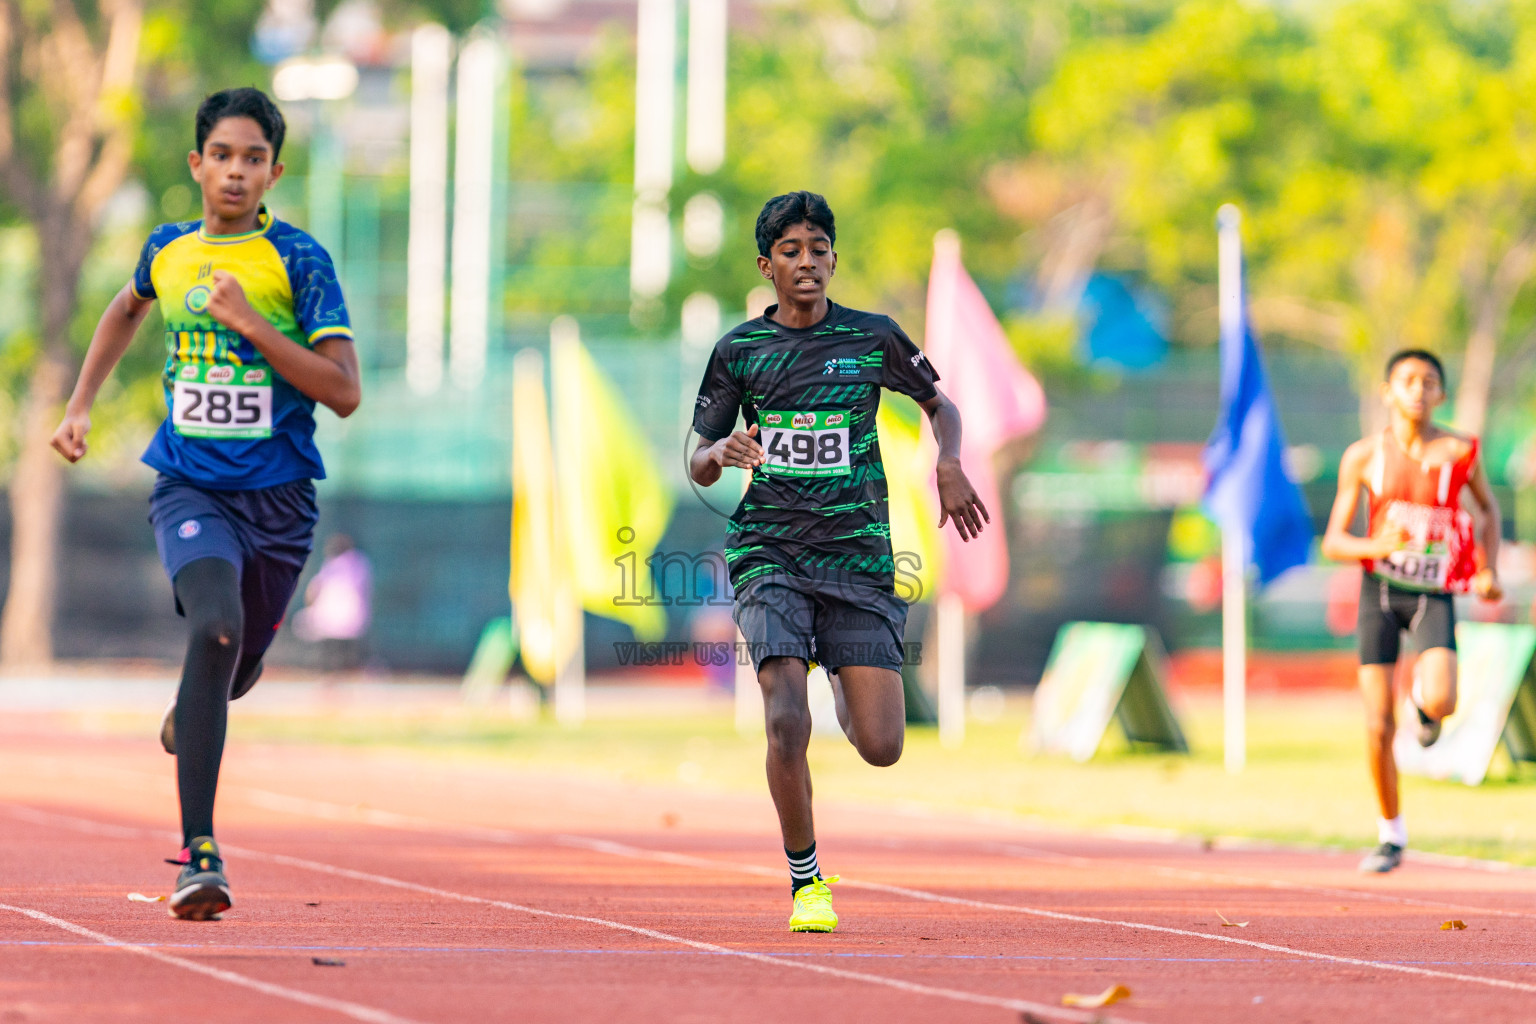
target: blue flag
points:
(1249, 489)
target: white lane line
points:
(686, 860)
(932, 897)
(1198, 875)
(354, 1010)
(330, 811)
(326, 810)
(914, 988)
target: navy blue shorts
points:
(821, 621)
(265, 534)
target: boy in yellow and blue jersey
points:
(256, 334)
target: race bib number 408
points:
(222, 402)
(806, 443)
(1425, 560)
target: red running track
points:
(465, 891)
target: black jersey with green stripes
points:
(817, 508)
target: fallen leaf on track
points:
(1452, 926)
(138, 897)
(321, 961)
(314, 904)
(1231, 924)
(1113, 994)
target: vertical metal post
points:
(1234, 568)
(427, 248)
(704, 130)
(650, 254)
(473, 203)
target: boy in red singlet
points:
(1419, 551)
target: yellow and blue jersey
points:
(232, 423)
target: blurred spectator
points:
(1343, 609)
(337, 605)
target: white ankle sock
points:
(1392, 830)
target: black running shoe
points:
(1382, 859)
(202, 891)
(1429, 728)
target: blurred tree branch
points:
(66, 140)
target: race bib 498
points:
(806, 443)
(221, 401)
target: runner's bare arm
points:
(1486, 583)
(327, 372)
(114, 332)
(958, 500)
(1338, 543)
(740, 449)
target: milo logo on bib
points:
(806, 443)
(1425, 560)
(221, 402)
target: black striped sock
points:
(802, 867)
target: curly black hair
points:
(783, 212)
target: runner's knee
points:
(789, 728)
(882, 751)
(209, 592)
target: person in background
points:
(338, 605)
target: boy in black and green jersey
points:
(809, 547)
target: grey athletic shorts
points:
(819, 621)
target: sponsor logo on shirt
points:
(220, 375)
(703, 401)
(197, 299)
(917, 358)
(773, 419)
(189, 372)
(189, 529)
(253, 376)
(802, 419)
(834, 419)
(843, 367)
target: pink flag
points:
(998, 399)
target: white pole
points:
(950, 637)
(704, 131)
(650, 252)
(1234, 651)
(565, 381)
(1234, 569)
(426, 253)
(473, 173)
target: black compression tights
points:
(209, 592)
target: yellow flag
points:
(615, 501)
(541, 572)
(914, 511)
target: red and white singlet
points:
(1425, 500)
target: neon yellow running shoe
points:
(813, 907)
